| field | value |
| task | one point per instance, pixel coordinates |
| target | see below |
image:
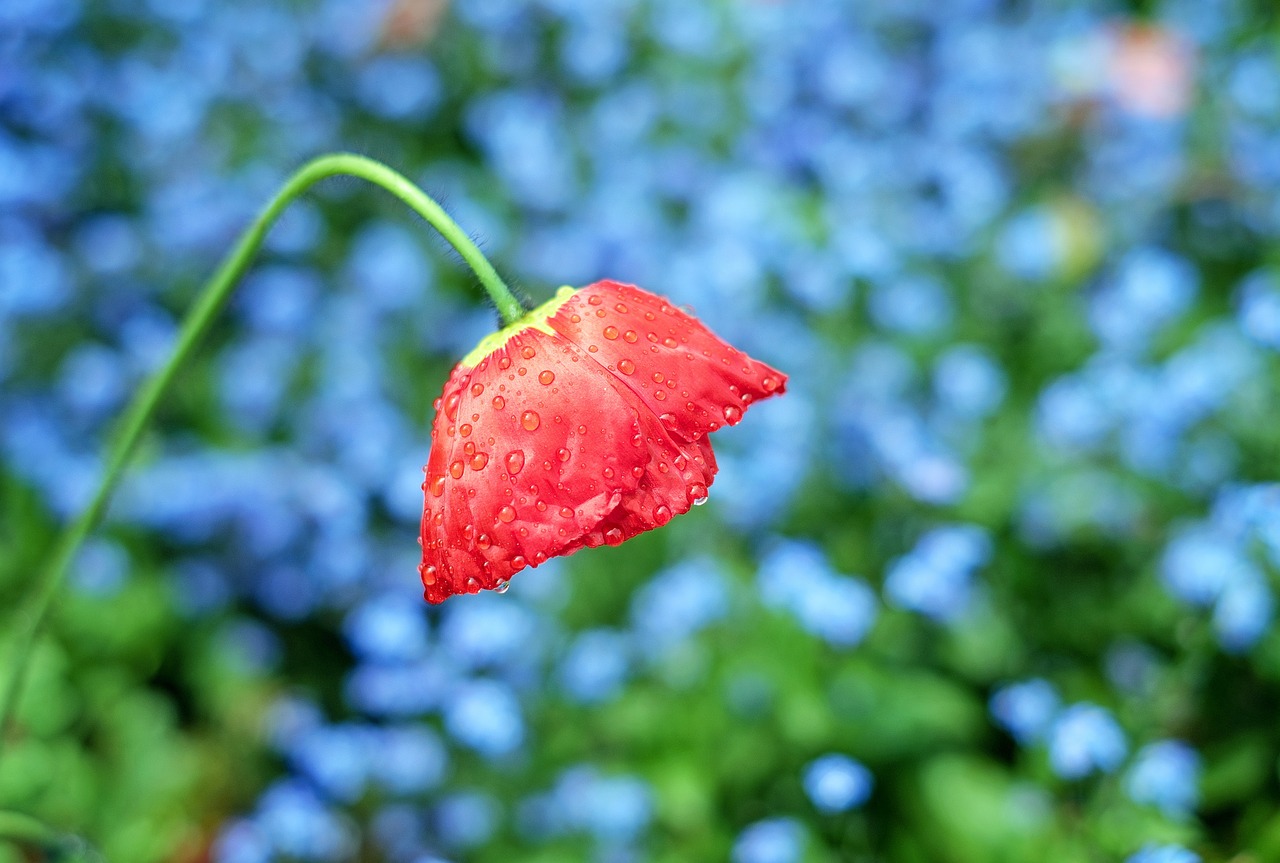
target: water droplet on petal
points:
(479, 460)
(662, 515)
(545, 378)
(437, 485)
(698, 494)
(429, 575)
(530, 420)
(455, 469)
(608, 473)
(473, 586)
(477, 389)
(469, 534)
(626, 367)
(464, 429)
(613, 536)
(563, 454)
(770, 383)
(515, 462)
(528, 352)
(483, 541)
(566, 512)
(499, 403)
(504, 363)
(594, 299)
(630, 336)
(732, 415)
(518, 562)
(502, 586)
(610, 332)
(451, 406)
(637, 472)
(507, 514)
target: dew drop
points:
(608, 473)
(483, 541)
(732, 415)
(698, 494)
(662, 515)
(637, 472)
(429, 575)
(630, 336)
(455, 469)
(545, 378)
(575, 318)
(540, 506)
(499, 403)
(504, 363)
(622, 310)
(518, 562)
(592, 349)
(539, 558)
(594, 300)
(648, 316)
(515, 462)
(770, 383)
(660, 396)
(502, 586)
(477, 389)
(437, 485)
(669, 342)
(563, 454)
(626, 367)
(451, 406)
(530, 420)
(479, 460)
(613, 536)
(469, 534)
(611, 333)
(464, 429)
(507, 514)
(528, 352)
(473, 586)
(566, 512)
(469, 448)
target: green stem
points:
(210, 301)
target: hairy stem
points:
(213, 297)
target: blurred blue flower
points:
(241, 841)
(915, 305)
(400, 87)
(1163, 854)
(466, 819)
(796, 577)
(1032, 245)
(1026, 710)
(297, 824)
(596, 665)
(1243, 612)
(1165, 774)
(1200, 563)
(489, 631)
(485, 716)
(969, 383)
(837, 783)
(101, 568)
(936, 577)
(407, 759)
(1150, 288)
(678, 603)
(775, 840)
(388, 627)
(337, 758)
(1259, 308)
(1083, 739)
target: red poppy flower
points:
(583, 424)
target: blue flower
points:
(388, 627)
(1025, 709)
(1163, 854)
(837, 783)
(1165, 774)
(796, 577)
(678, 603)
(400, 87)
(1084, 739)
(596, 665)
(936, 578)
(775, 840)
(466, 819)
(485, 716)
(297, 824)
(968, 381)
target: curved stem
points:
(211, 301)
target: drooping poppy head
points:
(582, 424)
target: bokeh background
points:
(994, 581)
